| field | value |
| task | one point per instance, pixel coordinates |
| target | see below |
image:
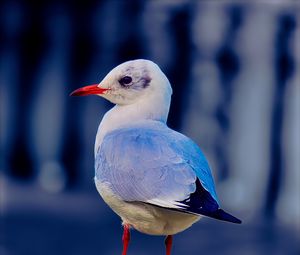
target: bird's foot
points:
(168, 243)
(126, 238)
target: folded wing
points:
(154, 164)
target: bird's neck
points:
(150, 108)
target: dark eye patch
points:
(125, 81)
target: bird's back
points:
(151, 163)
(148, 159)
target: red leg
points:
(168, 243)
(125, 238)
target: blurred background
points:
(234, 68)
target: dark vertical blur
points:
(179, 68)
(284, 69)
(82, 47)
(130, 36)
(228, 64)
(32, 44)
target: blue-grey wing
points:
(156, 165)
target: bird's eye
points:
(125, 81)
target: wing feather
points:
(153, 164)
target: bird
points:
(156, 179)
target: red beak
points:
(88, 90)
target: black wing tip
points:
(202, 202)
(222, 215)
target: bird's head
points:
(129, 83)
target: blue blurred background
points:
(234, 68)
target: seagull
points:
(156, 179)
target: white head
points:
(140, 91)
(131, 82)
